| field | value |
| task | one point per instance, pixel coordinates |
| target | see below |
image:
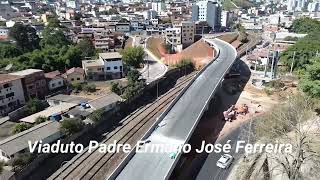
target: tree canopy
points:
(306, 25)
(310, 82)
(305, 49)
(86, 48)
(20, 127)
(25, 36)
(133, 56)
(71, 126)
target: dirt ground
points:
(200, 52)
(102, 88)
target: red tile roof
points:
(75, 70)
(52, 75)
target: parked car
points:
(225, 161)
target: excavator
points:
(233, 111)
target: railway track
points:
(96, 165)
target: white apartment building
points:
(173, 37)
(4, 32)
(11, 93)
(209, 11)
(158, 6)
(113, 65)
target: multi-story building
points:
(34, 83)
(209, 11)
(158, 6)
(108, 66)
(173, 37)
(4, 33)
(187, 32)
(113, 65)
(314, 6)
(103, 43)
(225, 19)
(123, 27)
(11, 93)
(94, 69)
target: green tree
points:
(185, 63)
(40, 119)
(306, 25)
(53, 37)
(20, 127)
(310, 82)
(72, 57)
(304, 49)
(116, 88)
(86, 48)
(34, 106)
(97, 115)
(9, 51)
(89, 87)
(25, 36)
(71, 126)
(133, 56)
(133, 76)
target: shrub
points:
(89, 87)
(71, 126)
(115, 87)
(20, 127)
(77, 86)
(275, 84)
(21, 160)
(34, 106)
(41, 119)
(186, 63)
(96, 115)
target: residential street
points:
(154, 68)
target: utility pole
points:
(272, 64)
(267, 64)
(291, 69)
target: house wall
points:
(3, 156)
(55, 83)
(11, 96)
(75, 78)
(123, 28)
(113, 66)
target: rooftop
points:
(52, 75)
(68, 98)
(76, 70)
(63, 107)
(18, 142)
(92, 63)
(110, 55)
(4, 78)
(26, 72)
(104, 101)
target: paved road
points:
(209, 170)
(153, 69)
(180, 120)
